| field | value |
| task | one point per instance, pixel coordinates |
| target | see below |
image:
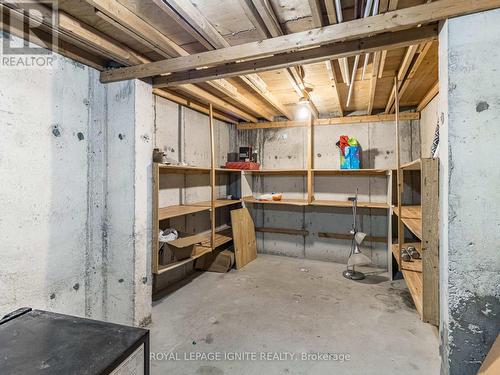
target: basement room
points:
(226, 187)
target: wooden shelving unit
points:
(290, 202)
(351, 172)
(422, 275)
(337, 203)
(210, 240)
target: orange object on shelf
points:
(243, 165)
(277, 197)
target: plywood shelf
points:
(414, 281)
(222, 236)
(337, 203)
(220, 202)
(181, 169)
(414, 165)
(351, 172)
(414, 264)
(411, 216)
(227, 170)
(180, 210)
(290, 202)
(284, 172)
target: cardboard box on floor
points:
(216, 262)
(182, 248)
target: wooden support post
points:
(212, 177)
(156, 223)
(310, 177)
(399, 173)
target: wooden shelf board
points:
(167, 168)
(414, 264)
(414, 165)
(335, 203)
(222, 236)
(220, 203)
(291, 202)
(414, 281)
(180, 210)
(354, 172)
(227, 170)
(411, 218)
(283, 172)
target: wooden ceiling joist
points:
(405, 116)
(334, 51)
(174, 97)
(144, 33)
(338, 33)
(373, 81)
(429, 96)
(270, 26)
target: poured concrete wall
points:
(470, 190)
(74, 197)
(184, 136)
(287, 148)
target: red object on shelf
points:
(245, 165)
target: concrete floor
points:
(284, 305)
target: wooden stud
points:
(399, 173)
(353, 30)
(212, 177)
(373, 81)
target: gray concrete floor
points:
(285, 305)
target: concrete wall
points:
(70, 186)
(287, 148)
(428, 122)
(184, 135)
(469, 100)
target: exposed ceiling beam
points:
(373, 81)
(217, 102)
(340, 33)
(190, 17)
(403, 69)
(396, 39)
(143, 32)
(429, 96)
(385, 6)
(179, 99)
(329, 121)
(414, 68)
(270, 26)
(318, 21)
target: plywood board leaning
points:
(245, 246)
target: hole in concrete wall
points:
(121, 136)
(76, 286)
(56, 131)
(80, 136)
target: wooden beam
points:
(352, 30)
(343, 236)
(429, 96)
(371, 44)
(403, 69)
(191, 17)
(316, 13)
(298, 232)
(254, 17)
(217, 102)
(329, 121)
(128, 19)
(407, 81)
(174, 97)
(384, 6)
(373, 81)
(335, 85)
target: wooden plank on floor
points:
(245, 245)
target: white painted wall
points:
(75, 198)
(469, 100)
